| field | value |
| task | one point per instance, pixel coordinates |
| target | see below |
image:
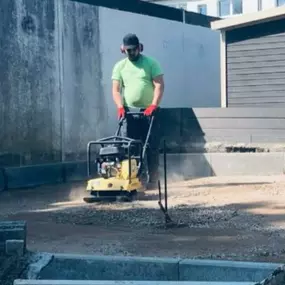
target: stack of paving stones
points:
(12, 250)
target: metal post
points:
(183, 15)
(88, 160)
(165, 175)
(129, 158)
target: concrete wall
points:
(51, 95)
(83, 101)
(207, 142)
(218, 129)
(56, 62)
(29, 83)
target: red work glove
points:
(149, 110)
(121, 112)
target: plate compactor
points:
(122, 169)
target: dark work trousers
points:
(136, 127)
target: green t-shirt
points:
(136, 80)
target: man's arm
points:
(158, 82)
(116, 87)
(116, 90)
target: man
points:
(141, 79)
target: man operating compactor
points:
(138, 85)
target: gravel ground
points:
(239, 218)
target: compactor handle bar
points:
(135, 113)
(148, 133)
(124, 118)
(131, 113)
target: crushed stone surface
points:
(236, 218)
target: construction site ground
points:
(231, 218)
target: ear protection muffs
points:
(124, 51)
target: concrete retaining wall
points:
(198, 130)
(179, 166)
(36, 175)
(185, 166)
(86, 267)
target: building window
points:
(182, 6)
(259, 5)
(202, 9)
(224, 8)
(236, 7)
(280, 2)
(230, 7)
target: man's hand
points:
(121, 113)
(158, 92)
(149, 110)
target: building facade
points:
(222, 8)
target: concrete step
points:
(103, 282)
(188, 165)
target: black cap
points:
(130, 41)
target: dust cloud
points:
(77, 193)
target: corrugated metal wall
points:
(256, 65)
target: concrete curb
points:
(86, 267)
(225, 271)
(89, 267)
